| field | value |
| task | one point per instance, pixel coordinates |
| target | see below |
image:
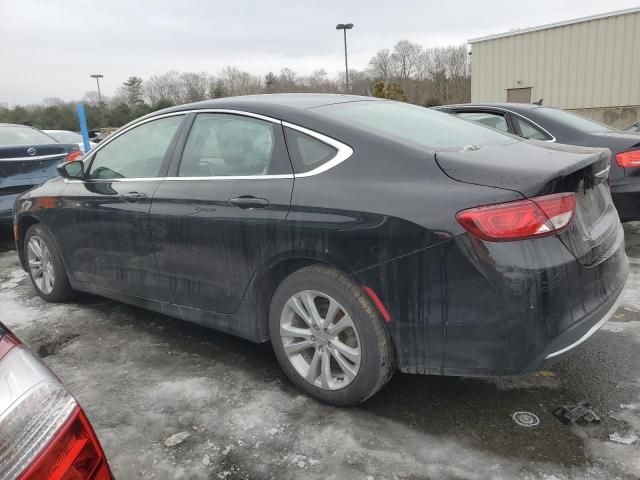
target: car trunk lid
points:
(556, 169)
(22, 167)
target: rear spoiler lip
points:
(494, 167)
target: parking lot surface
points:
(143, 377)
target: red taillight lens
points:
(531, 218)
(7, 342)
(75, 155)
(74, 454)
(628, 159)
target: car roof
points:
(272, 104)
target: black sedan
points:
(358, 235)
(554, 125)
(28, 157)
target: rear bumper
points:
(626, 198)
(579, 333)
(6, 208)
(473, 308)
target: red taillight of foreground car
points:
(519, 220)
(628, 159)
(75, 155)
(7, 342)
(74, 454)
(44, 434)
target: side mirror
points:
(73, 169)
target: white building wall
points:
(582, 65)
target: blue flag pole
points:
(82, 120)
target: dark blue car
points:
(28, 157)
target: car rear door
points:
(220, 208)
(103, 227)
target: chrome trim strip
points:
(173, 114)
(42, 157)
(592, 330)
(603, 173)
(491, 107)
(233, 177)
(344, 151)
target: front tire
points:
(328, 337)
(45, 266)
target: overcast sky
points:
(48, 48)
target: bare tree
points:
(406, 58)
(237, 82)
(195, 86)
(381, 65)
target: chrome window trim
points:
(42, 157)
(506, 110)
(343, 151)
(607, 316)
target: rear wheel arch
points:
(267, 281)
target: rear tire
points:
(44, 263)
(328, 337)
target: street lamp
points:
(344, 27)
(98, 76)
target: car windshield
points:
(19, 135)
(424, 126)
(65, 137)
(572, 120)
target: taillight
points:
(75, 155)
(7, 342)
(519, 220)
(628, 159)
(74, 454)
(44, 433)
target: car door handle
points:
(249, 201)
(133, 197)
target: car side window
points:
(493, 120)
(529, 131)
(307, 152)
(137, 153)
(222, 144)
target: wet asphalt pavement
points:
(143, 377)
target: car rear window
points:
(420, 125)
(18, 135)
(66, 137)
(577, 122)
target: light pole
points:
(98, 76)
(344, 27)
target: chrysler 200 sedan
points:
(358, 235)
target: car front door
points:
(103, 227)
(220, 208)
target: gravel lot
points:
(143, 377)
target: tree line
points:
(408, 72)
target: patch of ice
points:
(626, 438)
(632, 293)
(14, 278)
